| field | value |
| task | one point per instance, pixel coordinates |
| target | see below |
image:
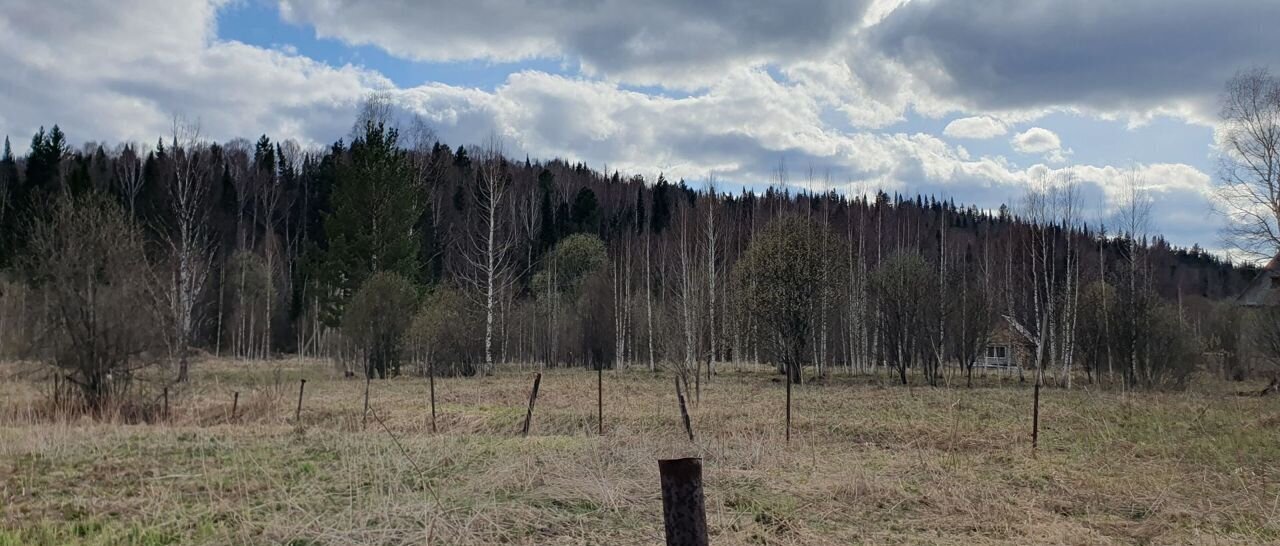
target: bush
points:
(376, 321)
(87, 261)
(444, 332)
(901, 287)
(779, 278)
(1173, 352)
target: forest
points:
(393, 252)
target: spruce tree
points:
(586, 211)
(8, 186)
(640, 212)
(549, 234)
(375, 208)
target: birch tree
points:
(488, 251)
(129, 177)
(1248, 191)
(187, 239)
(712, 273)
(1134, 211)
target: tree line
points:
(393, 251)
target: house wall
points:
(1021, 353)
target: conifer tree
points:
(375, 208)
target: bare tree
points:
(712, 273)
(1068, 208)
(1249, 187)
(87, 258)
(376, 108)
(1134, 220)
(686, 289)
(129, 176)
(975, 311)
(488, 254)
(648, 296)
(186, 237)
(270, 190)
(1051, 205)
(239, 167)
(901, 285)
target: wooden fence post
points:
(368, 378)
(431, 379)
(1035, 419)
(235, 404)
(697, 383)
(297, 414)
(533, 398)
(166, 404)
(788, 371)
(684, 412)
(600, 399)
(684, 512)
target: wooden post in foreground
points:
(788, 371)
(600, 399)
(1035, 419)
(697, 383)
(431, 379)
(684, 512)
(684, 412)
(166, 404)
(533, 398)
(297, 414)
(368, 379)
(235, 404)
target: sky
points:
(975, 101)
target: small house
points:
(1264, 291)
(1008, 346)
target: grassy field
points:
(869, 462)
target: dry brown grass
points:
(869, 462)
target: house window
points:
(996, 351)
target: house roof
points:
(1022, 331)
(1264, 291)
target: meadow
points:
(868, 462)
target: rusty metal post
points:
(533, 398)
(297, 414)
(684, 512)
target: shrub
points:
(444, 332)
(376, 320)
(86, 260)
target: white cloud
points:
(1133, 59)
(104, 72)
(674, 43)
(1038, 140)
(874, 59)
(977, 127)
